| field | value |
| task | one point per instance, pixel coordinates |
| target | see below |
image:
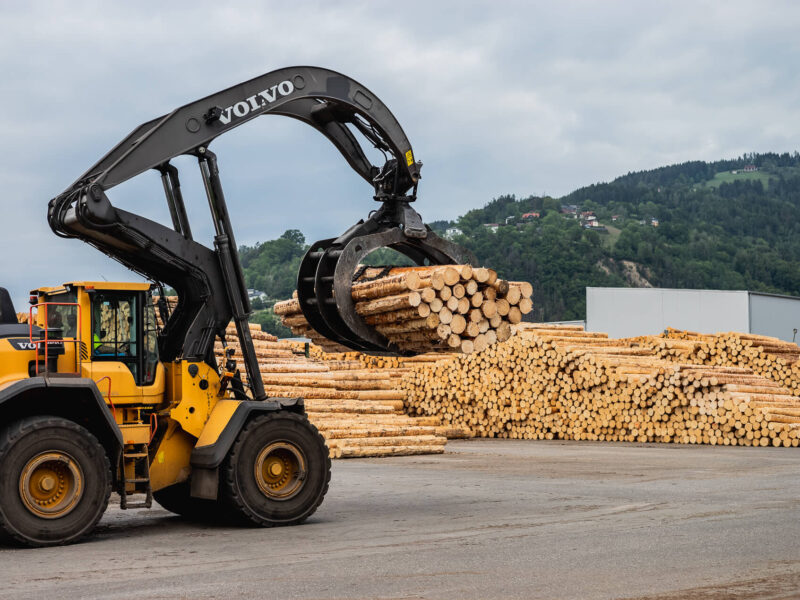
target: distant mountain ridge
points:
(728, 224)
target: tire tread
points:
(10, 434)
(227, 476)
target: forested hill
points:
(732, 224)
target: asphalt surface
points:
(488, 519)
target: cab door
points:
(124, 355)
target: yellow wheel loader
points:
(96, 397)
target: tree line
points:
(740, 234)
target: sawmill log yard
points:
(660, 463)
(408, 410)
(480, 456)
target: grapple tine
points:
(327, 302)
(306, 278)
(338, 320)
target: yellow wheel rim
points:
(280, 470)
(51, 484)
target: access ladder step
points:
(137, 459)
(144, 504)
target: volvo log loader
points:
(96, 396)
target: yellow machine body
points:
(182, 405)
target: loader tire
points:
(55, 481)
(176, 499)
(277, 472)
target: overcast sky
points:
(496, 97)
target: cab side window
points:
(63, 313)
(150, 331)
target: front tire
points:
(277, 472)
(55, 481)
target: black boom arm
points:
(328, 101)
(210, 282)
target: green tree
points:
(294, 235)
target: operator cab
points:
(124, 330)
(114, 322)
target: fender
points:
(73, 398)
(223, 426)
(225, 423)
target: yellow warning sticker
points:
(409, 158)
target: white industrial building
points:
(628, 312)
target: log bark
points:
(416, 306)
(387, 286)
(390, 303)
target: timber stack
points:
(357, 408)
(564, 383)
(766, 356)
(452, 308)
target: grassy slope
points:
(612, 237)
(729, 177)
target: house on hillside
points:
(254, 294)
(749, 169)
(492, 226)
(569, 209)
(654, 222)
(530, 216)
(615, 218)
(452, 232)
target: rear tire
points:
(55, 481)
(277, 472)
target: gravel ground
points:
(488, 519)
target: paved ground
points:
(489, 519)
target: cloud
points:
(512, 97)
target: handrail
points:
(108, 396)
(47, 341)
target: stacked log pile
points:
(453, 308)
(399, 366)
(359, 410)
(565, 383)
(292, 317)
(769, 357)
(774, 361)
